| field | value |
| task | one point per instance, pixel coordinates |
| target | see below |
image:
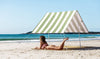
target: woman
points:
(44, 44)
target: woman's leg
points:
(62, 44)
(53, 47)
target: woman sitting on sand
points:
(44, 44)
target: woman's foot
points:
(66, 39)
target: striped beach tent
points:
(61, 22)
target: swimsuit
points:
(44, 45)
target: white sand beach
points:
(25, 51)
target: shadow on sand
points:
(82, 48)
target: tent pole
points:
(48, 35)
(79, 37)
(64, 35)
(79, 40)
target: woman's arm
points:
(36, 48)
(41, 45)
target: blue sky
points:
(20, 16)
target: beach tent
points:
(61, 22)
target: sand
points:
(24, 51)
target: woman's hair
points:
(42, 38)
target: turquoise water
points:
(50, 36)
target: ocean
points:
(50, 37)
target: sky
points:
(21, 16)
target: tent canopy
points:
(61, 22)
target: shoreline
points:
(48, 40)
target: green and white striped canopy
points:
(61, 22)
